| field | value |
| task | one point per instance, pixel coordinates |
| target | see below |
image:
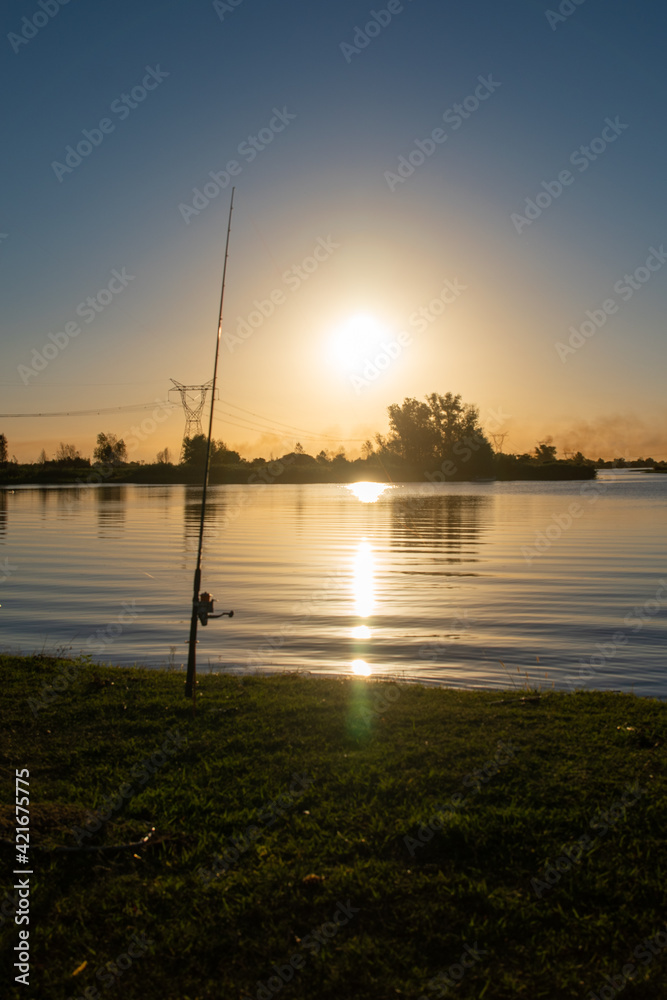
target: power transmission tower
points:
(193, 398)
(498, 441)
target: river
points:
(552, 585)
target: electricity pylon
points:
(498, 440)
(193, 398)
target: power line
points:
(280, 432)
(279, 423)
(268, 426)
(291, 427)
(89, 413)
(80, 385)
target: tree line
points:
(439, 438)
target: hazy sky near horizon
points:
(430, 197)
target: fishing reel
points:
(204, 608)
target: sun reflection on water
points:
(364, 603)
(368, 492)
(361, 632)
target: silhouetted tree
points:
(67, 452)
(442, 433)
(163, 457)
(546, 451)
(194, 452)
(110, 449)
(3, 449)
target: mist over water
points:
(465, 584)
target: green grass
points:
(377, 760)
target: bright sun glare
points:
(357, 339)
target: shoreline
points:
(529, 686)
(275, 473)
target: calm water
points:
(443, 584)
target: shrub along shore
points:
(331, 837)
(284, 470)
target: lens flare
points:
(361, 668)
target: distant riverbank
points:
(284, 470)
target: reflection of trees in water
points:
(3, 514)
(300, 509)
(67, 499)
(216, 506)
(111, 503)
(450, 522)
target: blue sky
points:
(221, 74)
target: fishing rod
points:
(202, 603)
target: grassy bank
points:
(292, 853)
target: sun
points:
(356, 340)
